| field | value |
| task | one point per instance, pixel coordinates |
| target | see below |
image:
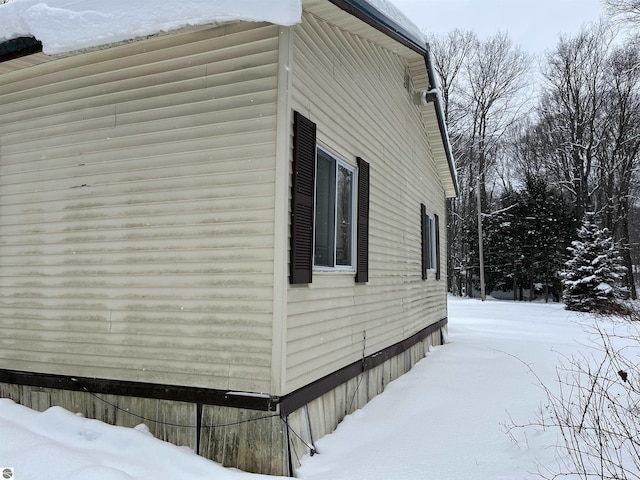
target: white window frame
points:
(354, 197)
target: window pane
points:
(431, 243)
(325, 210)
(344, 217)
(432, 225)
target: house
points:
(232, 232)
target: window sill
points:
(331, 271)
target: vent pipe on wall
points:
(425, 97)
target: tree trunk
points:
(626, 258)
(546, 283)
(531, 292)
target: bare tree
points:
(619, 154)
(529, 150)
(590, 117)
(496, 77)
(483, 83)
(571, 108)
(450, 54)
(626, 11)
(585, 136)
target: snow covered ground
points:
(443, 420)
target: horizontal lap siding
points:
(136, 211)
(354, 92)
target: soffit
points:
(419, 76)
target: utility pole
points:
(483, 295)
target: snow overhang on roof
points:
(70, 25)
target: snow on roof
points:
(67, 25)
(393, 13)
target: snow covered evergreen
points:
(592, 280)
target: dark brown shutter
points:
(437, 227)
(425, 241)
(302, 183)
(362, 243)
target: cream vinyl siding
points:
(137, 210)
(354, 91)
(23, 62)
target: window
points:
(329, 225)
(430, 243)
(334, 212)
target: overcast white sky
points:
(533, 24)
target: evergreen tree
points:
(549, 225)
(526, 239)
(594, 273)
(503, 242)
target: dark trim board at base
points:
(224, 398)
(206, 396)
(301, 397)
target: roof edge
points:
(364, 11)
(444, 133)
